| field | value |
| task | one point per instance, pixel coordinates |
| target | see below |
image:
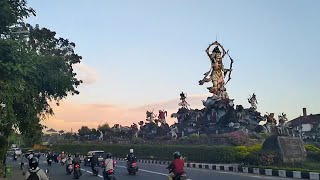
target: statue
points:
(253, 101)
(174, 131)
(217, 71)
(162, 116)
(283, 126)
(183, 103)
(101, 135)
(150, 116)
(271, 122)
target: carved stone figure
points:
(217, 72)
(253, 101)
(162, 116)
(183, 103)
(150, 116)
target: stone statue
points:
(253, 101)
(217, 72)
(183, 103)
(162, 116)
(271, 122)
(283, 126)
(174, 131)
(150, 116)
(101, 135)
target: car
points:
(17, 151)
(99, 154)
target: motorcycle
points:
(69, 168)
(132, 168)
(77, 171)
(96, 171)
(182, 176)
(108, 175)
(63, 161)
(49, 162)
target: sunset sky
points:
(139, 55)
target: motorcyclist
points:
(109, 164)
(130, 158)
(176, 166)
(49, 157)
(35, 172)
(23, 161)
(30, 156)
(93, 162)
(62, 157)
(69, 161)
(76, 159)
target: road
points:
(146, 172)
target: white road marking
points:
(90, 172)
(152, 172)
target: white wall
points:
(306, 127)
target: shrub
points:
(311, 148)
(263, 158)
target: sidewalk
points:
(16, 174)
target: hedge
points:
(210, 154)
(252, 155)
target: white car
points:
(17, 151)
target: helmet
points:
(34, 163)
(62, 152)
(131, 150)
(77, 155)
(108, 155)
(69, 155)
(176, 155)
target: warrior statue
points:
(217, 72)
(283, 127)
(253, 101)
(150, 116)
(183, 103)
(271, 122)
(162, 116)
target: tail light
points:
(77, 166)
(134, 164)
(110, 171)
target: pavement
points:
(146, 172)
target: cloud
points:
(87, 74)
(71, 115)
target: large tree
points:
(36, 68)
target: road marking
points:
(90, 172)
(152, 172)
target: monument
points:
(290, 149)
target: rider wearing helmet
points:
(76, 159)
(131, 157)
(69, 161)
(176, 166)
(109, 164)
(93, 161)
(35, 172)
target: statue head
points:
(216, 53)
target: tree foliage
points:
(36, 68)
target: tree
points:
(35, 69)
(83, 131)
(104, 128)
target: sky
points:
(139, 55)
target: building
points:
(306, 126)
(51, 132)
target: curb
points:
(236, 168)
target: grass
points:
(306, 166)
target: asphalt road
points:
(146, 172)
